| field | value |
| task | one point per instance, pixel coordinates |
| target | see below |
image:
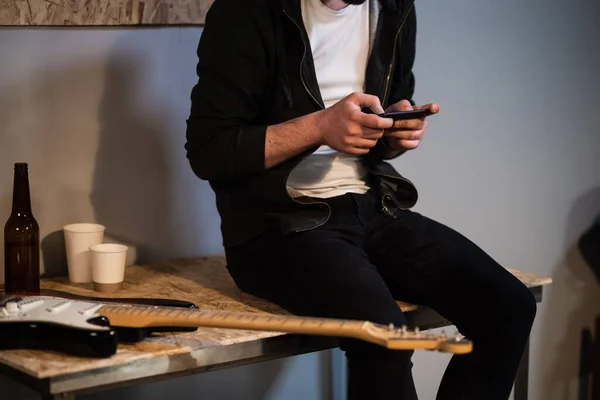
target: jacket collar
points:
(383, 30)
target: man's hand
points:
(407, 134)
(345, 128)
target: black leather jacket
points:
(255, 69)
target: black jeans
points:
(361, 261)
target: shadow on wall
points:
(45, 121)
(131, 193)
(134, 186)
(54, 255)
(574, 305)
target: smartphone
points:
(410, 114)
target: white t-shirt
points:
(340, 45)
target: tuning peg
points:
(402, 330)
(391, 327)
(417, 331)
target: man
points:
(283, 125)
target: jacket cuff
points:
(250, 145)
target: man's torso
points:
(339, 41)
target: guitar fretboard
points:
(135, 316)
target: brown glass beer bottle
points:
(21, 240)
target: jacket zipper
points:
(385, 209)
(384, 101)
(389, 74)
(322, 107)
(302, 61)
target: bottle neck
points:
(21, 199)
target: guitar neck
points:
(139, 317)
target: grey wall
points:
(511, 161)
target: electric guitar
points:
(91, 328)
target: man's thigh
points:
(428, 263)
(322, 272)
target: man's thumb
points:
(405, 105)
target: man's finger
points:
(410, 124)
(405, 135)
(410, 144)
(368, 101)
(434, 108)
(374, 121)
(369, 133)
(364, 143)
(405, 105)
(402, 105)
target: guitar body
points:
(43, 334)
(63, 339)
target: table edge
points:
(53, 379)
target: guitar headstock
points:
(395, 338)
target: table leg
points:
(522, 378)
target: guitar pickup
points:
(26, 305)
(91, 310)
(63, 305)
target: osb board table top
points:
(203, 281)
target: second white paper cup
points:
(78, 239)
(108, 266)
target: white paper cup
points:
(78, 239)
(108, 266)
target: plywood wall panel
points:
(102, 12)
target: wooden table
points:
(205, 282)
